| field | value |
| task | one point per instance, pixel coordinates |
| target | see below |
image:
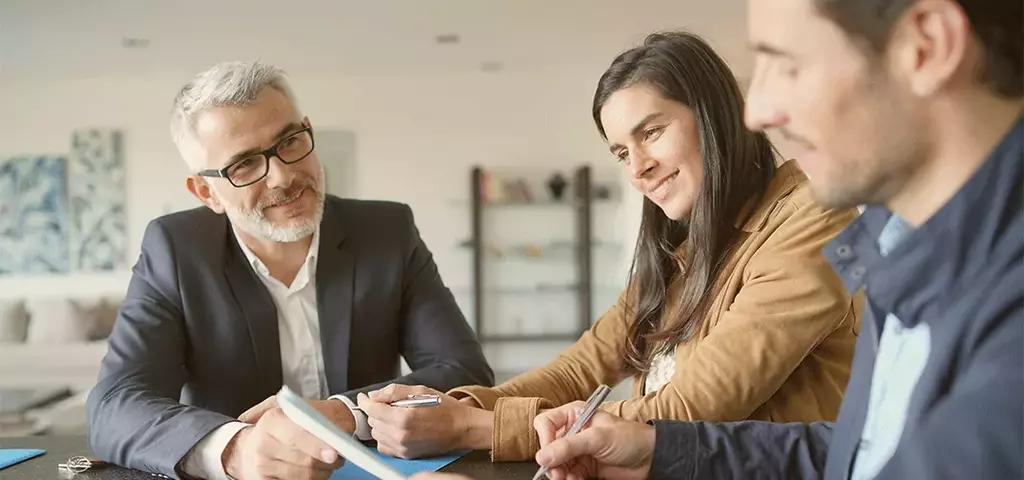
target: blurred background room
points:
(475, 113)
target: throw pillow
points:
(13, 321)
(102, 315)
(57, 320)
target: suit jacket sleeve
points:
(699, 450)
(134, 414)
(437, 342)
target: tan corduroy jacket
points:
(776, 344)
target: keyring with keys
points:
(79, 464)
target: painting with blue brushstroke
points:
(97, 200)
(33, 215)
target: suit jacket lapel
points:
(259, 311)
(335, 281)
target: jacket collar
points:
(955, 241)
(787, 177)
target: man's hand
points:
(335, 411)
(607, 447)
(415, 432)
(277, 448)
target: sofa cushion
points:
(57, 320)
(102, 314)
(13, 321)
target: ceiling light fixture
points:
(447, 39)
(491, 67)
(134, 42)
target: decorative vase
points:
(557, 185)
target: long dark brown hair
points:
(738, 166)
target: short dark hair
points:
(996, 25)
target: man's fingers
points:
(382, 413)
(284, 455)
(387, 450)
(278, 461)
(390, 448)
(291, 435)
(386, 442)
(578, 471)
(395, 392)
(378, 412)
(297, 458)
(566, 449)
(557, 473)
(569, 471)
(383, 394)
(253, 414)
(549, 423)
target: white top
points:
(663, 366)
(302, 359)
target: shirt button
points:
(858, 272)
(844, 252)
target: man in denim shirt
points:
(914, 108)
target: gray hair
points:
(226, 84)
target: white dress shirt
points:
(302, 359)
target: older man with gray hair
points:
(272, 283)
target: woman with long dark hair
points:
(730, 311)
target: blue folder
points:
(10, 456)
(407, 467)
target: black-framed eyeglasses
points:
(251, 169)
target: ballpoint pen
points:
(417, 400)
(588, 412)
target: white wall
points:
(416, 139)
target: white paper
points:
(347, 446)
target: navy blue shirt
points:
(961, 274)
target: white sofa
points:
(55, 342)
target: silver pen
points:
(417, 400)
(589, 410)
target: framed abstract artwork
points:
(96, 191)
(62, 213)
(33, 215)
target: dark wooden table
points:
(476, 465)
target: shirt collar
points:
(261, 268)
(961, 232)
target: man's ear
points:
(200, 189)
(933, 42)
